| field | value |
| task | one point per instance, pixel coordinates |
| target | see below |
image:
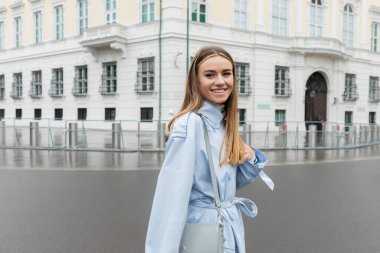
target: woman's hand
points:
(249, 152)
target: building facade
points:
(296, 60)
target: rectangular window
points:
(1, 35)
(242, 116)
(279, 117)
(348, 119)
(316, 18)
(372, 118)
(2, 114)
(18, 32)
(83, 15)
(280, 17)
(2, 86)
(374, 38)
(36, 84)
(198, 11)
(240, 14)
(145, 75)
(110, 113)
(282, 81)
(243, 78)
(80, 81)
(37, 114)
(82, 113)
(37, 27)
(374, 90)
(109, 78)
(147, 11)
(56, 89)
(58, 16)
(58, 113)
(18, 113)
(350, 88)
(17, 85)
(110, 11)
(146, 114)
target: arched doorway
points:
(316, 98)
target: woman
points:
(184, 192)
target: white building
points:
(122, 60)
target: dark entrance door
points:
(316, 98)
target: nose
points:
(219, 79)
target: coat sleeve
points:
(170, 204)
(248, 171)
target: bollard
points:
(247, 134)
(161, 135)
(283, 135)
(116, 135)
(2, 132)
(73, 135)
(363, 130)
(377, 133)
(312, 135)
(33, 134)
(373, 133)
(334, 136)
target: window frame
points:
(57, 81)
(316, 25)
(58, 111)
(37, 17)
(2, 35)
(146, 114)
(82, 16)
(80, 81)
(350, 88)
(149, 12)
(59, 22)
(246, 78)
(110, 14)
(2, 86)
(277, 17)
(109, 78)
(36, 84)
(18, 113)
(110, 114)
(17, 89)
(371, 117)
(375, 36)
(37, 112)
(18, 31)
(82, 113)
(240, 14)
(195, 10)
(348, 28)
(282, 85)
(279, 117)
(147, 86)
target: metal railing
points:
(129, 135)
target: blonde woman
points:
(184, 192)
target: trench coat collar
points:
(213, 112)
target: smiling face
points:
(215, 79)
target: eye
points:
(227, 74)
(209, 75)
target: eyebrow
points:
(211, 70)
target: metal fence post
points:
(116, 135)
(162, 135)
(73, 134)
(283, 135)
(2, 133)
(33, 134)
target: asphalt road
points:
(316, 208)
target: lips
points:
(218, 90)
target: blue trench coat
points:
(184, 191)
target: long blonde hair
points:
(234, 145)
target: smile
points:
(218, 90)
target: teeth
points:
(218, 91)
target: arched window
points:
(316, 18)
(348, 26)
